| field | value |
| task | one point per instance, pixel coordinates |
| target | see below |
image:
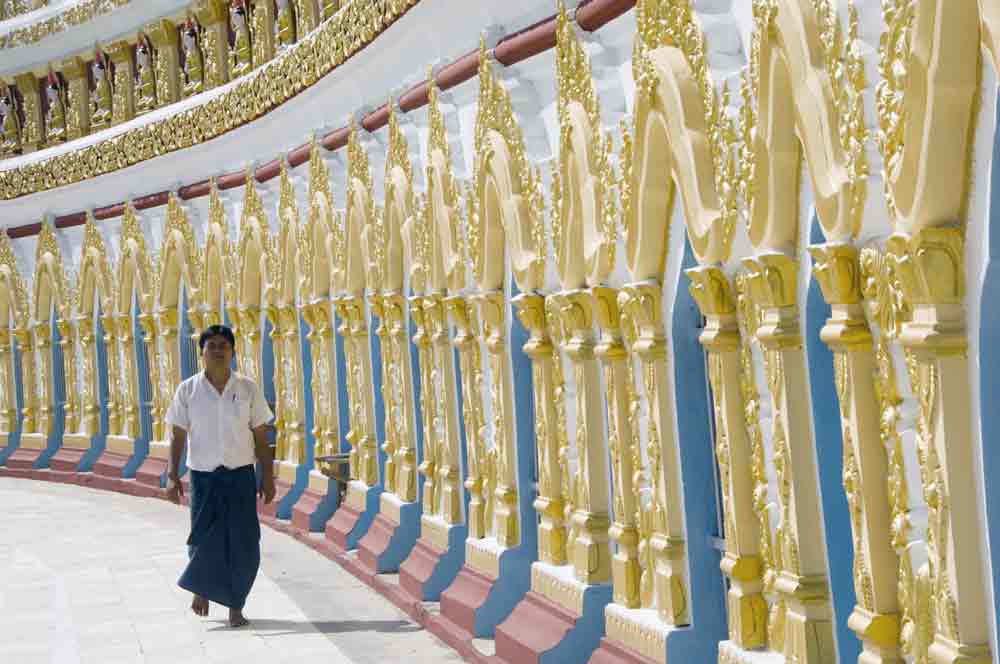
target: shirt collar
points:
(229, 383)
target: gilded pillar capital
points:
(710, 288)
(772, 281)
(837, 268)
(531, 312)
(929, 269)
(574, 311)
(167, 318)
(608, 314)
(493, 309)
(641, 317)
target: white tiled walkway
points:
(90, 577)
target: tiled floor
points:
(90, 577)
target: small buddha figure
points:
(194, 63)
(242, 52)
(100, 99)
(55, 118)
(145, 77)
(10, 125)
(284, 25)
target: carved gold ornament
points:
(584, 218)
(499, 143)
(72, 15)
(264, 89)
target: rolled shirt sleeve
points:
(260, 412)
(177, 413)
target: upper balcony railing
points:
(168, 60)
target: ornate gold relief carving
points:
(355, 270)
(680, 112)
(803, 96)
(96, 288)
(926, 112)
(51, 305)
(583, 204)
(291, 72)
(14, 325)
(857, 371)
(444, 203)
(504, 173)
(465, 319)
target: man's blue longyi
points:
(224, 546)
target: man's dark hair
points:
(216, 331)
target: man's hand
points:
(266, 490)
(175, 490)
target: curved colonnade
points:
(652, 333)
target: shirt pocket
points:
(238, 410)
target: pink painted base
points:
(375, 542)
(534, 627)
(340, 526)
(612, 652)
(110, 464)
(461, 600)
(66, 461)
(151, 471)
(281, 490)
(23, 459)
(308, 503)
(418, 567)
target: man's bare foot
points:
(237, 619)
(199, 605)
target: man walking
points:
(223, 418)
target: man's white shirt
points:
(219, 426)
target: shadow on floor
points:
(273, 627)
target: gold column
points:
(8, 393)
(550, 428)
(148, 324)
(262, 29)
(875, 617)
(32, 132)
(306, 17)
(166, 63)
(43, 377)
(26, 345)
(444, 390)
(74, 400)
(324, 385)
(78, 106)
(398, 383)
(280, 402)
(661, 528)
(588, 490)
(611, 349)
(741, 562)
(361, 437)
(248, 343)
(465, 319)
(428, 406)
(167, 356)
(391, 440)
(89, 413)
(113, 343)
(213, 15)
(930, 279)
(123, 97)
(801, 583)
(500, 465)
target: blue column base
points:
(586, 635)
(366, 518)
(508, 589)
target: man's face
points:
(217, 353)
